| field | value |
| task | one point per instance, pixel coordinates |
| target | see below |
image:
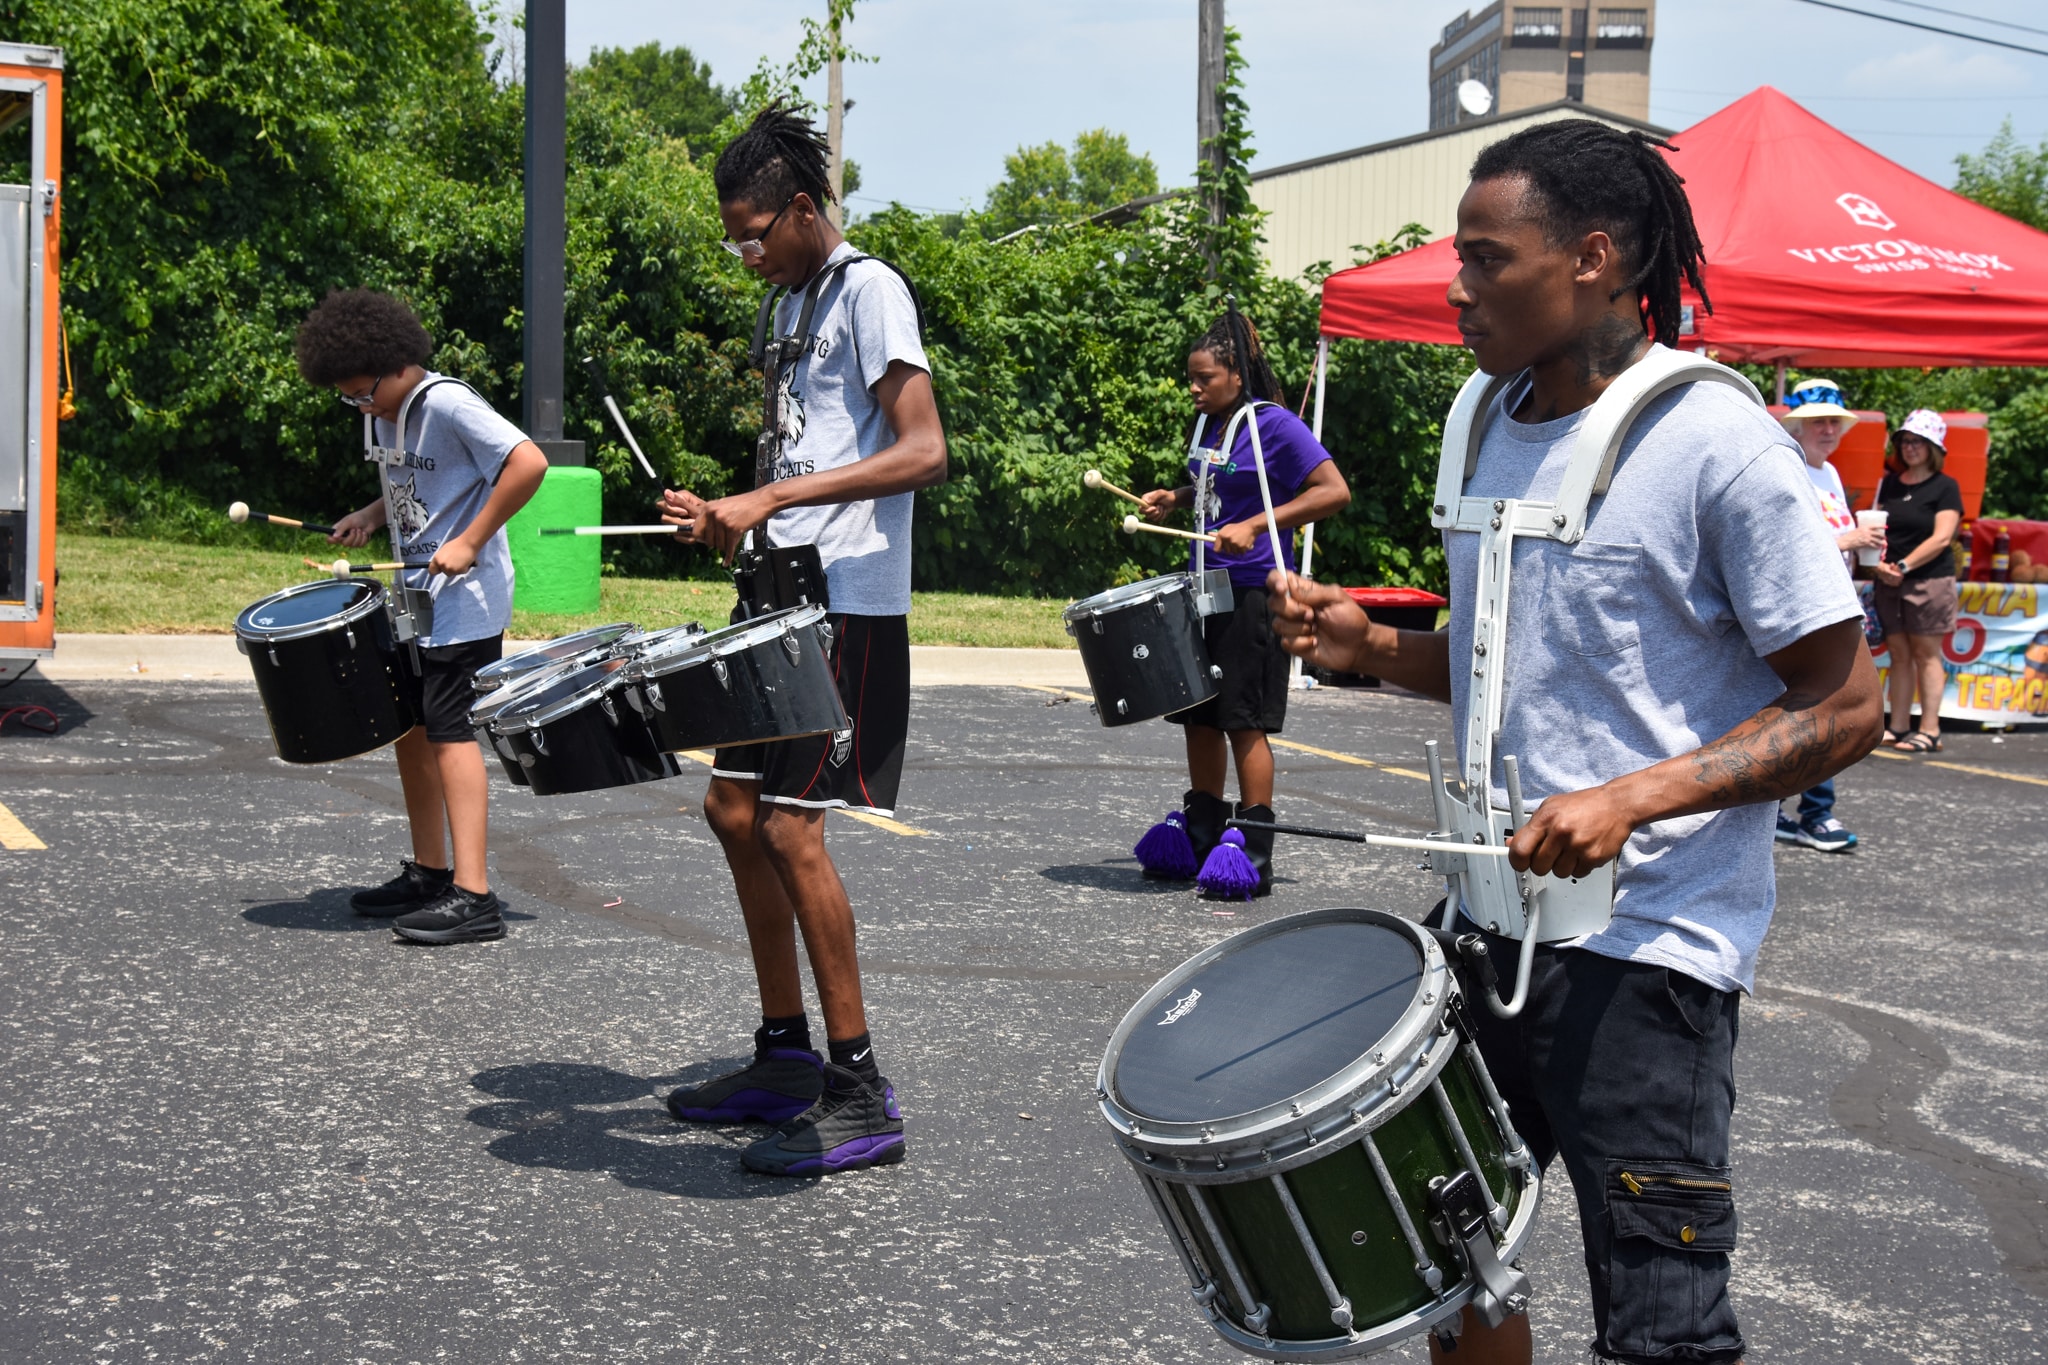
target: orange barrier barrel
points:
(1969, 458)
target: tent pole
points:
(1781, 381)
(1308, 532)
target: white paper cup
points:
(1879, 520)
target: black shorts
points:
(441, 692)
(1252, 693)
(861, 768)
(1627, 1071)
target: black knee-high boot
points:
(1205, 816)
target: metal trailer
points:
(31, 92)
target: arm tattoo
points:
(1780, 751)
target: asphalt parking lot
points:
(241, 1124)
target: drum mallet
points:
(1093, 479)
(238, 512)
(663, 530)
(596, 373)
(1376, 840)
(341, 568)
(1132, 526)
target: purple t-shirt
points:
(1291, 451)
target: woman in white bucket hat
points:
(1915, 595)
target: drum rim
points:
(1129, 595)
(1405, 1054)
(635, 644)
(502, 668)
(600, 688)
(346, 617)
(485, 709)
(725, 642)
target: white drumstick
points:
(1093, 479)
(1132, 526)
(1436, 845)
(663, 530)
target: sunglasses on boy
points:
(753, 249)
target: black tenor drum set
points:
(605, 707)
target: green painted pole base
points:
(558, 574)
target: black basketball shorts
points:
(860, 768)
(440, 689)
(1252, 693)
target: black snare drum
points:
(584, 647)
(328, 669)
(1142, 646)
(575, 732)
(769, 678)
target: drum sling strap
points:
(1521, 905)
(412, 609)
(1215, 597)
(770, 577)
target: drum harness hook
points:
(1520, 905)
(407, 622)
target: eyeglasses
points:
(753, 248)
(360, 404)
(1815, 393)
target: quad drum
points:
(1313, 1124)
(1143, 648)
(763, 679)
(327, 668)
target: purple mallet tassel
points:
(1229, 874)
(1166, 850)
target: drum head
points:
(554, 651)
(690, 650)
(1255, 1026)
(1129, 595)
(551, 699)
(307, 604)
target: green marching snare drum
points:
(1311, 1121)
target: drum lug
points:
(1216, 670)
(722, 673)
(1096, 621)
(1123, 707)
(1459, 1205)
(540, 742)
(611, 713)
(654, 694)
(792, 646)
(275, 662)
(349, 633)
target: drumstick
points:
(611, 530)
(1093, 479)
(238, 512)
(596, 372)
(341, 568)
(1376, 840)
(1132, 526)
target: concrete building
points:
(1532, 55)
(1333, 208)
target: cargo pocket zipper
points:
(1636, 1184)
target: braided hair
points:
(779, 156)
(1589, 176)
(1234, 342)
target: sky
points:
(959, 84)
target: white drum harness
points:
(1521, 905)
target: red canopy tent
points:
(1819, 251)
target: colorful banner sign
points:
(1996, 658)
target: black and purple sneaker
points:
(780, 1083)
(852, 1125)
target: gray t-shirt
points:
(830, 417)
(1647, 640)
(456, 445)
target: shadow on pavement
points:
(1117, 874)
(548, 1119)
(31, 691)
(328, 912)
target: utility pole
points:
(547, 227)
(1209, 75)
(835, 130)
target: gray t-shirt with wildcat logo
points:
(456, 446)
(1647, 640)
(830, 417)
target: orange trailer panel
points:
(32, 90)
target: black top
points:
(1259, 1025)
(1910, 508)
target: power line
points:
(1928, 28)
(1973, 18)
(1866, 99)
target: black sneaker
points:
(779, 1084)
(413, 887)
(852, 1125)
(455, 916)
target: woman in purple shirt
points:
(1227, 371)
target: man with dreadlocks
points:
(1695, 656)
(853, 431)
(1236, 397)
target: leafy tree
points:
(2008, 177)
(1045, 185)
(668, 85)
